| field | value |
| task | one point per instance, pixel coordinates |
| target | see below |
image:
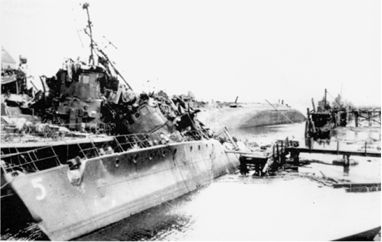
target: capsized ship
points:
(74, 197)
(153, 149)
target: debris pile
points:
(95, 98)
(90, 98)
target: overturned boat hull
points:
(248, 116)
(70, 203)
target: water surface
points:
(288, 206)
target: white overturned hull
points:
(115, 186)
(247, 116)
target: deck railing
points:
(50, 131)
(46, 157)
(30, 161)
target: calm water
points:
(288, 206)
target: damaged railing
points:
(120, 143)
(16, 162)
(195, 135)
(96, 128)
(46, 157)
(29, 161)
(31, 132)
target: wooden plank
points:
(255, 154)
(335, 152)
(348, 185)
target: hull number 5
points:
(36, 183)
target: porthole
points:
(190, 148)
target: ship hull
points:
(115, 186)
(249, 116)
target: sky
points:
(217, 49)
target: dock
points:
(366, 114)
(334, 152)
(285, 153)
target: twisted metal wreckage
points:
(87, 151)
(90, 97)
(157, 149)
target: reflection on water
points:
(290, 206)
(246, 208)
(28, 231)
(267, 134)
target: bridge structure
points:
(285, 153)
(371, 115)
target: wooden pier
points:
(286, 154)
(322, 120)
(371, 115)
(334, 152)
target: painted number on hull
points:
(36, 183)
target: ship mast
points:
(91, 57)
(94, 47)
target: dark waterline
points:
(186, 218)
(248, 208)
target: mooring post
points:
(369, 117)
(346, 158)
(346, 170)
(346, 164)
(365, 147)
(356, 118)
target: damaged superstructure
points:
(15, 94)
(105, 150)
(322, 120)
(95, 97)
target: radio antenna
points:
(91, 57)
